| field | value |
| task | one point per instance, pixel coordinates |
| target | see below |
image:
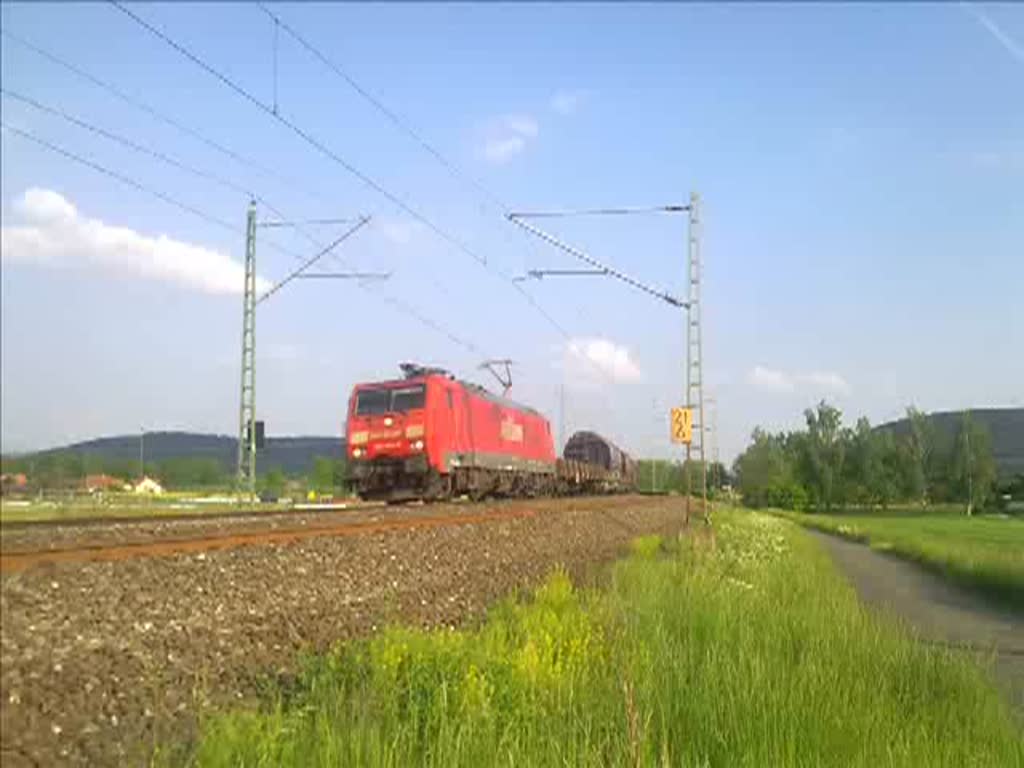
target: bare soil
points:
(101, 661)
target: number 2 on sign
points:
(682, 425)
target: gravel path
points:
(940, 612)
(100, 661)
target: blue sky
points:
(861, 168)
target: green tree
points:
(274, 481)
(763, 466)
(327, 474)
(921, 448)
(825, 451)
(973, 466)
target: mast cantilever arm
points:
(610, 271)
(312, 260)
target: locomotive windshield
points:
(370, 402)
(407, 398)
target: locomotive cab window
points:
(370, 402)
(408, 398)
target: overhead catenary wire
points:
(404, 306)
(334, 156)
(156, 114)
(123, 179)
(599, 212)
(390, 114)
(401, 306)
(300, 132)
(142, 149)
(453, 168)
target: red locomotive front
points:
(431, 436)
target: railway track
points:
(16, 561)
(100, 521)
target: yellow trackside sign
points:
(682, 425)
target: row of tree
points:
(663, 476)
(828, 465)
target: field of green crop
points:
(748, 650)
(983, 552)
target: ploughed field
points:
(104, 659)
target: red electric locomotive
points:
(431, 436)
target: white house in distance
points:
(148, 485)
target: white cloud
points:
(773, 380)
(568, 102)
(508, 136)
(1015, 49)
(56, 234)
(596, 358)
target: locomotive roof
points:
(477, 389)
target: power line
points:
(448, 164)
(309, 139)
(306, 137)
(226, 151)
(394, 118)
(123, 179)
(142, 149)
(152, 112)
(162, 157)
(370, 182)
(600, 212)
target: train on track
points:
(431, 436)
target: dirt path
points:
(939, 611)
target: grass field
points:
(749, 651)
(983, 552)
(127, 508)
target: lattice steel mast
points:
(694, 362)
(247, 403)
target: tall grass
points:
(985, 553)
(749, 651)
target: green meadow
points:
(742, 649)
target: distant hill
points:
(1005, 425)
(294, 455)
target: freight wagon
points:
(429, 435)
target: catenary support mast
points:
(247, 403)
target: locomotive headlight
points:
(357, 452)
(417, 446)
